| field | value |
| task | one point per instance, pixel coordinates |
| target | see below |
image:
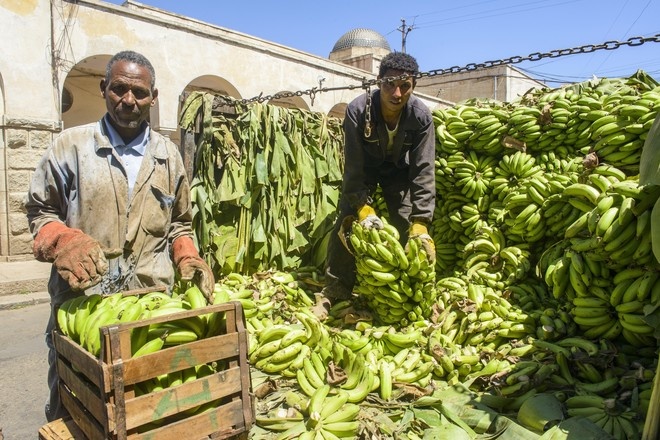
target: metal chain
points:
(608, 45)
(367, 115)
(536, 56)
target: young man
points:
(109, 204)
(389, 141)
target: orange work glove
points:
(419, 230)
(368, 218)
(77, 257)
(192, 267)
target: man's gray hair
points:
(133, 57)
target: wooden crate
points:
(99, 393)
(61, 429)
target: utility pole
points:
(405, 30)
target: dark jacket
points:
(414, 149)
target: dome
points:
(361, 38)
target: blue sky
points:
(444, 34)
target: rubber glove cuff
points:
(192, 267)
(365, 211)
(417, 229)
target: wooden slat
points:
(85, 422)
(155, 406)
(117, 397)
(179, 357)
(246, 382)
(84, 391)
(224, 421)
(61, 429)
(85, 363)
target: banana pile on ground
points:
(544, 269)
(608, 115)
(605, 266)
(480, 338)
(397, 283)
(549, 140)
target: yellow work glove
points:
(419, 230)
(368, 218)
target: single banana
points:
(151, 346)
(332, 404)
(304, 383)
(590, 347)
(317, 401)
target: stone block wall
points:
(23, 143)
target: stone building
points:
(502, 83)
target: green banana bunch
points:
(105, 313)
(281, 349)
(397, 283)
(555, 324)
(524, 124)
(394, 341)
(473, 173)
(608, 414)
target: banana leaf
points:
(576, 428)
(446, 430)
(461, 404)
(649, 174)
(225, 242)
(279, 167)
(649, 167)
(540, 412)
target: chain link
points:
(367, 116)
(536, 56)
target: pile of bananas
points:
(396, 282)
(473, 125)
(605, 266)
(544, 269)
(488, 260)
(266, 296)
(287, 348)
(611, 115)
(327, 414)
(80, 318)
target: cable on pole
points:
(405, 30)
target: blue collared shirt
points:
(131, 154)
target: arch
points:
(213, 84)
(289, 102)
(82, 85)
(338, 110)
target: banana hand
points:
(419, 230)
(429, 246)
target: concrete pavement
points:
(23, 283)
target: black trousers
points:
(340, 266)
